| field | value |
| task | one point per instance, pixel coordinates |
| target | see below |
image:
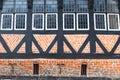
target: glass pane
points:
(69, 5)
(38, 5)
(38, 21)
(51, 5)
(69, 21)
(100, 21)
(51, 21)
(6, 22)
(82, 21)
(82, 5)
(113, 22)
(20, 21)
(8, 6)
(99, 6)
(112, 6)
(21, 6)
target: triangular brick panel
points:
(44, 40)
(2, 49)
(87, 48)
(12, 40)
(98, 49)
(118, 49)
(22, 49)
(108, 41)
(66, 48)
(76, 41)
(54, 48)
(34, 48)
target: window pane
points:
(113, 21)
(112, 6)
(7, 22)
(99, 6)
(82, 5)
(69, 21)
(21, 6)
(82, 21)
(69, 5)
(100, 21)
(8, 6)
(51, 21)
(38, 5)
(20, 21)
(51, 5)
(38, 21)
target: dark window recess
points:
(35, 68)
(84, 69)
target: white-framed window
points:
(38, 21)
(68, 21)
(20, 21)
(51, 21)
(113, 22)
(7, 22)
(82, 21)
(100, 21)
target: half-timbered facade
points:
(79, 37)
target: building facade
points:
(60, 38)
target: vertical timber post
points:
(60, 27)
(29, 27)
(1, 6)
(92, 34)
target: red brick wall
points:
(95, 68)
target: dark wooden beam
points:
(1, 4)
(60, 27)
(30, 4)
(60, 56)
(92, 31)
(28, 34)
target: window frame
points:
(56, 21)
(64, 22)
(33, 28)
(109, 22)
(2, 22)
(25, 21)
(104, 21)
(87, 21)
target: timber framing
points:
(29, 38)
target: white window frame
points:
(2, 22)
(25, 21)
(109, 23)
(56, 22)
(33, 28)
(104, 21)
(87, 20)
(73, 20)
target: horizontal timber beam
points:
(59, 56)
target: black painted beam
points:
(60, 56)
(28, 34)
(60, 27)
(1, 4)
(92, 31)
